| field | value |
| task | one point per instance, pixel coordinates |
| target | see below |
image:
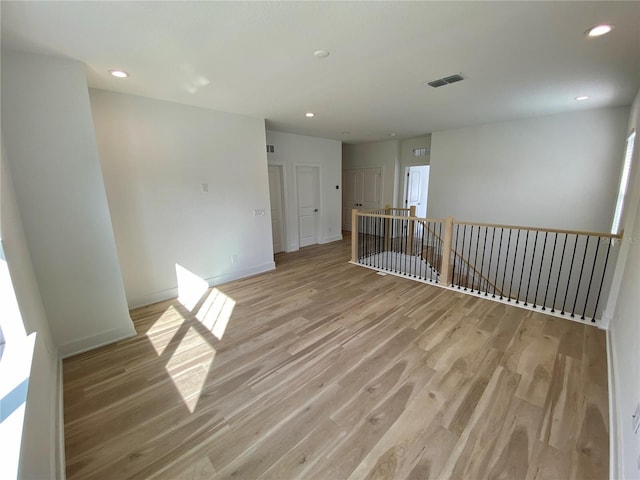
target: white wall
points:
(155, 157)
(380, 154)
(50, 146)
(557, 171)
(407, 158)
(624, 308)
(41, 448)
(292, 150)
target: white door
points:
(371, 179)
(416, 189)
(276, 196)
(308, 202)
(361, 189)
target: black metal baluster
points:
(553, 253)
(356, 227)
(374, 246)
(506, 262)
(487, 281)
(439, 248)
(467, 262)
(423, 261)
(475, 263)
(573, 256)
(424, 257)
(368, 237)
(464, 234)
(390, 245)
(524, 259)
(361, 235)
(544, 247)
(453, 273)
(380, 240)
(513, 269)
(405, 229)
(564, 245)
(584, 257)
(533, 257)
(414, 244)
(604, 270)
(495, 280)
(595, 259)
(484, 248)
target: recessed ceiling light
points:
(582, 97)
(321, 53)
(119, 73)
(599, 30)
(309, 114)
(392, 134)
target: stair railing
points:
(562, 272)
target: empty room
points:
(320, 240)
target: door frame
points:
(320, 217)
(283, 188)
(405, 192)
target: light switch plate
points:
(636, 419)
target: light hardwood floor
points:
(327, 370)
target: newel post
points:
(410, 230)
(354, 235)
(387, 228)
(445, 269)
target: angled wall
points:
(50, 147)
(623, 308)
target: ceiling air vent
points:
(445, 80)
(271, 149)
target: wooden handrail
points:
(542, 229)
(496, 225)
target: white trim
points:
(615, 429)
(60, 466)
(81, 345)
(334, 238)
(285, 196)
(488, 297)
(212, 281)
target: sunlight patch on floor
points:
(164, 329)
(189, 379)
(215, 312)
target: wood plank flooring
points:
(327, 370)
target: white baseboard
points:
(212, 281)
(81, 345)
(61, 468)
(614, 428)
(335, 238)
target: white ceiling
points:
(519, 59)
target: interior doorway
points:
(276, 197)
(308, 189)
(416, 189)
(361, 189)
